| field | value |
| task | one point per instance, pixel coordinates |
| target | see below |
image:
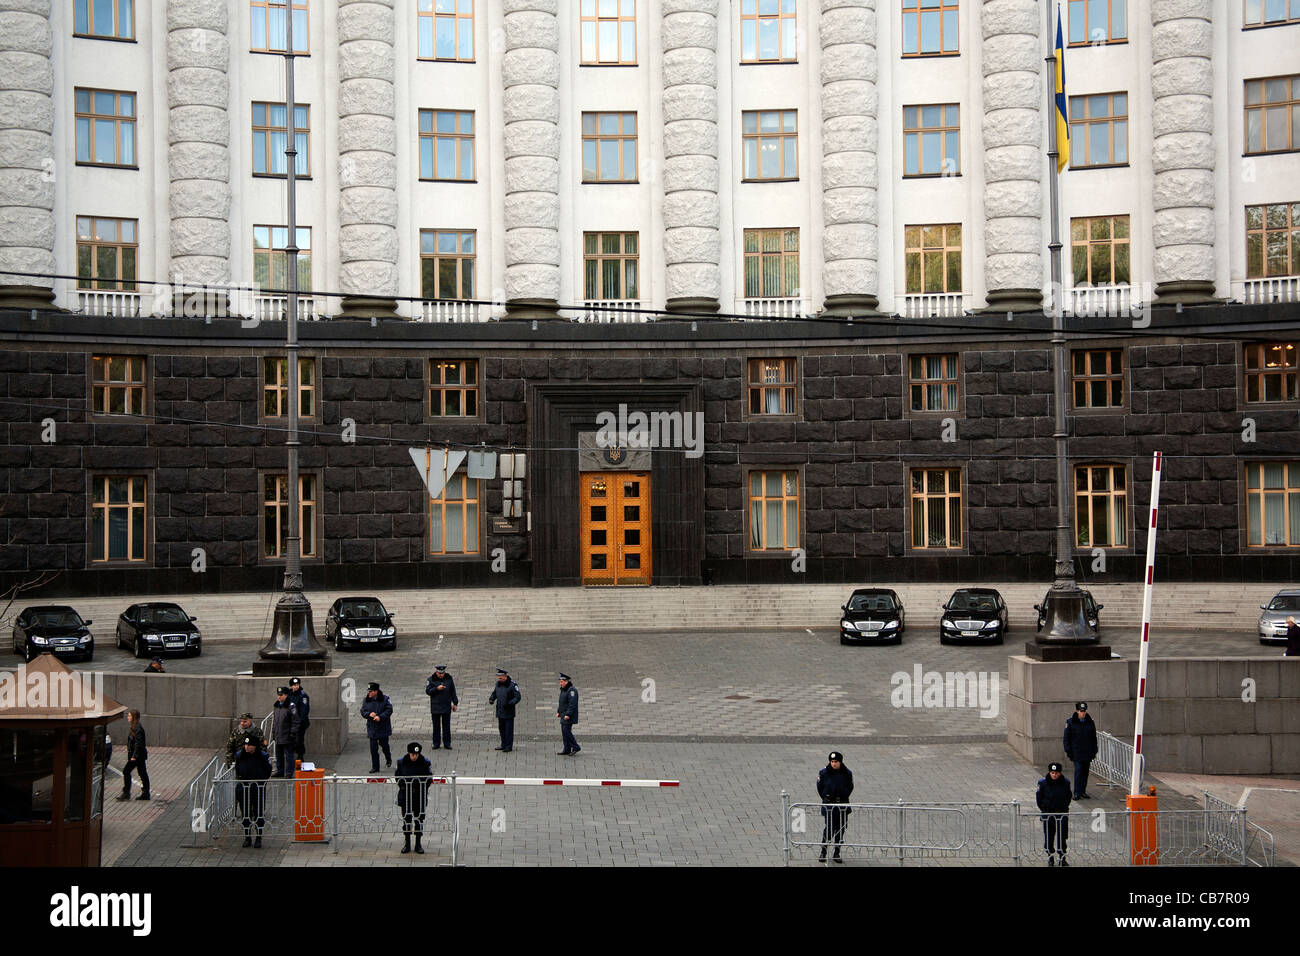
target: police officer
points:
(506, 696)
(252, 769)
(442, 701)
(414, 776)
(284, 731)
(236, 742)
(1053, 800)
(1080, 743)
(834, 786)
(377, 710)
(299, 697)
(567, 712)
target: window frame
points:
(1110, 495)
(1290, 468)
(432, 16)
(1089, 377)
(783, 253)
(756, 18)
(621, 137)
(304, 33)
(280, 388)
(918, 9)
(962, 496)
(1289, 106)
(142, 386)
(118, 119)
(90, 20)
(957, 381)
(799, 497)
(267, 156)
(460, 257)
(918, 132)
(1284, 372)
(99, 479)
(793, 386)
(277, 254)
(600, 257)
(478, 501)
(93, 282)
(281, 505)
(1081, 125)
(920, 250)
(595, 18)
(1264, 23)
(458, 136)
(1291, 239)
(1110, 24)
(1113, 241)
(439, 363)
(758, 136)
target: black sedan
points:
(360, 621)
(55, 628)
(152, 629)
(872, 616)
(974, 614)
(1091, 610)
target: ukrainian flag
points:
(1062, 113)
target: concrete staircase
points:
(1225, 607)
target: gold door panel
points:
(614, 528)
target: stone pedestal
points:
(1067, 652)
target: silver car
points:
(1272, 622)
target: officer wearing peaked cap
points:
(242, 729)
(414, 775)
(303, 701)
(442, 701)
(567, 712)
(377, 711)
(834, 786)
(1053, 798)
(506, 696)
(252, 770)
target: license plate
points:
(175, 643)
(370, 640)
(58, 648)
(970, 633)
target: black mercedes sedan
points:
(55, 628)
(974, 614)
(358, 622)
(872, 616)
(152, 629)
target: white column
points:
(530, 77)
(850, 135)
(1014, 154)
(691, 210)
(27, 167)
(367, 137)
(198, 131)
(1182, 155)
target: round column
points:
(26, 154)
(530, 75)
(1013, 93)
(1182, 155)
(691, 209)
(367, 158)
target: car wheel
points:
(942, 639)
(135, 647)
(117, 638)
(843, 641)
(998, 640)
(393, 646)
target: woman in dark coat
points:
(137, 753)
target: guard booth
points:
(53, 726)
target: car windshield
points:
(58, 619)
(163, 615)
(362, 609)
(1285, 602)
(871, 602)
(973, 602)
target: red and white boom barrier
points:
(540, 781)
(1146, 630)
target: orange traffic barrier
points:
(308, 805)
(1144, 839)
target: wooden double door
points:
(615, 528)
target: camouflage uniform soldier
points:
(236, 742)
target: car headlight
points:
(39, 640)
(345, 631)
(992, 624)
(848, 625)
(890, 626)
(948, 624)
(390, 631)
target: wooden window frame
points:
(427, 12)
(277, 259)
(1087, 243)
(465, 389)
(600, 258)
(761, 386)
(89, 34)
(276, 390)
(442, 502)
(591, 133)
(431, 262)
(589, 13)
(100, 481)
(1255, 369)
(1289, 231)
(786, 12)
(918, 245)
(1254, 503)
(264, 132)
(93, 243)
(309, 515)
(1086, 7)
(1290, 107)
(786, 547)
(301, 35)
(133, 385)
(1085, 374)
(1083, 498)
(463, 140)
(784, 254)
(1081, 124)
(919, 10)
(915, 131)
(950, 384)
(758, 136)
(118, 119)
(1293, 15)
(952, 473)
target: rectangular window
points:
(105, 128)
(1099, 250)
(271, 138)
(1265, 13)
(271, 260)
(933, 383)
(1273, 504)
(1099, 378)
(1098, 21)
(447, 145)
(1273, 240)
(1272, 371)
(771, 263)
(772, 383)
(1100, 506)
(117, 521)
(936, 508)
(108, 19)
(275, 516)
(446, 264)
(773, 510)
(268, 28)
(446, 30)
(929, 27)
(609, 31)
(933, 258)
(1273, 114)
(609, 147)
(770, 141)
(1099, 130)
(275, 387)
(106, 253)
(932, 140)
(453, 517)
(767, 31)
(453, 388)
(117, 384)
(610, 265)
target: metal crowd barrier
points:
(1114, 761)
(1248, 841)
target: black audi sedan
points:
(872, 616)
(974, 614)
(360, 622)
(152, 629)
(55, 628)
(1091, 610)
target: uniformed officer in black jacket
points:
(1053, 800)
(414, 776)
(506, 696)
(300, 698)
(1080, 743)
(834, 786)
(567, 712)
(252, 770)
(284, 731)
(442, 701)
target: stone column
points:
(530, 75)
(849, 172)
(1014, 156)
(198, 155)
(27, 168)
(368, 158)
(691, 210)
(1182, 156)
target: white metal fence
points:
(1114, 761)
